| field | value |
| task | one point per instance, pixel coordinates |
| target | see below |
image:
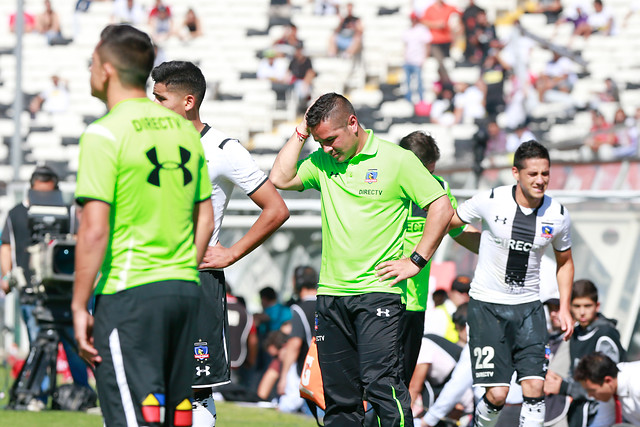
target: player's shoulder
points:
(554, 207)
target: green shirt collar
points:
(370, 147)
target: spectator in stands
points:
(520, 134)
(468, 102)
(302, 75)
(601, 134)
(626, 130)
(469, 24)
(128, 12)
(325, 7)
(611, 93)
(550, 8)
(601, 21)
(296, 348)
(576, 13)
(161, 24)
(437, 18)
(493, 73)
(481, 40)
(55, 98)
(158, 8)
(416, 50)
(191, 27)
(29, 22)
(555, 83)
(287, 44)
(346, 39)
(497, 142)
(48, 24)
(271, 67)
(442, 107)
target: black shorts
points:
(411, 332)
(144, 335)
(504, 338)
(211, 365)
(358, 342)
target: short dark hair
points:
(275, 338)
(584, 288)
(181, 76)
(594, 367)
(530, 150)
(329, 106)
(44, 174)
(130, 51)
(439, 296)
(459, 317)
(268, 293)
(461, 283)
(305, 277)
(422, 145)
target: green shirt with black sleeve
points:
(148, 164)
(364, 208)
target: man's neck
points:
(122, 95)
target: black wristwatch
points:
(418, 260)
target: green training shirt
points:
(418, 285)
(148, 164)
(365, 203)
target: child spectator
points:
(593, 332)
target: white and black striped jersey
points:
(229, 164)
(513, 242)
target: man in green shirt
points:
(367, 185)
(146, 221)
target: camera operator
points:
(16, 239)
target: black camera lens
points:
(63, 259)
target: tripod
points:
(39, 366)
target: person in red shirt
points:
(436, 18)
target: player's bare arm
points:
(203, 226)
(93, 237)
(274, 213)
(439, 214)
(564, 275)
(284, 172)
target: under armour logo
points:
(498, 219)
(205, 370)
(154, 176)
(332, 174)
(381, 312)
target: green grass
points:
(229, 415)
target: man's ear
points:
(189, 102)
(109, 69)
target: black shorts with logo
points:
(506, 338)
(143, 336)
(210, 346)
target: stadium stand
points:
(235, 34)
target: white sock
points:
(487, 413)
(204, 412)
(532, 412)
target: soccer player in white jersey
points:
(180, 86)
(506, 319)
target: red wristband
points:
(301, 136)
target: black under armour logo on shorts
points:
(154, 176)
